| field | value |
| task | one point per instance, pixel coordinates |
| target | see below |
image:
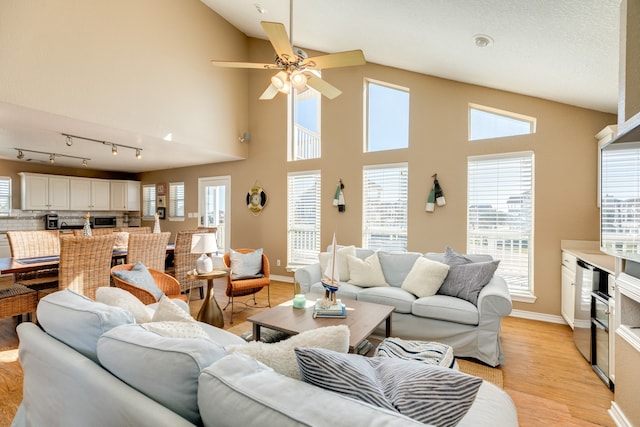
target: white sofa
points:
(67, 380)
(472, 330)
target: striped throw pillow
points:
(427, 393)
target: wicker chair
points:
(135, 229)
(149, 248)
(28, 244)
(85, 263)
(95, 231)
(184, 261)
(167, 284)
(242, 287)
(17, 300)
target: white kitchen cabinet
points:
(568, 284)
(125, 195)
(89, 194)
(44, 192)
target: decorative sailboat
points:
(329, 281)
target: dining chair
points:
(95, 231)
(85, 263)
(250, 286)
(149, 248)
(16, 300)
(165, 282)
(184, 261)
(31, 244)
(135, 229)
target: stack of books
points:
(337, 310)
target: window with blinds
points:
(500, 215)
(5, 196)
(620, 199)
(387, 117)
(148, 201)
(384, 207)
(176, 200)
(303, 218)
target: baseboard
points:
(538, 316)
(618, 417)
(288, 279)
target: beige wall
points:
(565, 167)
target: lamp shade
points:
(204, 243)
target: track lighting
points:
(138, 154)
(20, 155)
(114, 149)
(52, 156)
(69, 141)
(114, 146)
(84, 163)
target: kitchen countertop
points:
(590, 252)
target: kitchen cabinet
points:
(568, 284)
(89, 194)
(44, 192)
(125, 195)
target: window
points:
(384, 195)
(5, 196)
(387, 117)
(214, 204)
(306, 143)
(148, 200)
(303, 218)
(500, 215)
(176, 200)
(487, 122)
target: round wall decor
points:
(256, 199)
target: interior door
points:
(214, 208)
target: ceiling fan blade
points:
(322, 86)
(236, 64)
(277, 35)
(340, 59)
(269, 93)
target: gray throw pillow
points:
(246, 266)
(140, 276)
(452, 257)
(427, 393)
(465, 281)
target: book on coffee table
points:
(337, 310)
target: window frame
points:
(295, 260)
(174, 200)
(366, 111)
(150, 191)
(503, 113)
(5, 182)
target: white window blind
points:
(5, 196)
(303, 218)
(148, 200)
(176, 200)
(620, 200)
(384, 194)
(500, 215)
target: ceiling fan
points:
(295, 68)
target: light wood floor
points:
(545, 375)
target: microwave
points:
(104, 221)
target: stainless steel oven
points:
(600, 335)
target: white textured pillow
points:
(174, 329)
(169, 310)
(425, 277)
(117, 297)
(280, 356)
(367, 273)
(245, 265)
(341, 260)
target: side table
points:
(210, 311)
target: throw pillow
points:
(246, 266)
(122, 240)
(427, 393)
(467, 280)
(173, 329)
(120, 298)
(341, 261)
(452, 257)
(140, 276)
(280, 356)
(425, 277)
(169, 310)
(367, 273)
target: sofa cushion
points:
(139, 275)
(427, 393)
(346, 290)
(365, 273)
(446, 308)
(79, 321)
(176, 329)
(425, 278)
(396, 265)
(342, 267)
(118, 297)
(467, 280)
(165, 369)
(280, 355)
(399, 298)
(263, 396)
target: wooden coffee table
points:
(362, 319)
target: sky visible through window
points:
(485, 124)
(388, 118)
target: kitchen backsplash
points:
(33, 220)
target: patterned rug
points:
(487, 373)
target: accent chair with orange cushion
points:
(249, 275)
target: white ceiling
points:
(562, 50)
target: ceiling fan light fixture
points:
(298, 80)
(280, 80)
(286, 88)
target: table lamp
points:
(205, 244)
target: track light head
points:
(52, 158)
(138, 153)
(114, 149)
(20, 155)
(84, 163)
(69, 141)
